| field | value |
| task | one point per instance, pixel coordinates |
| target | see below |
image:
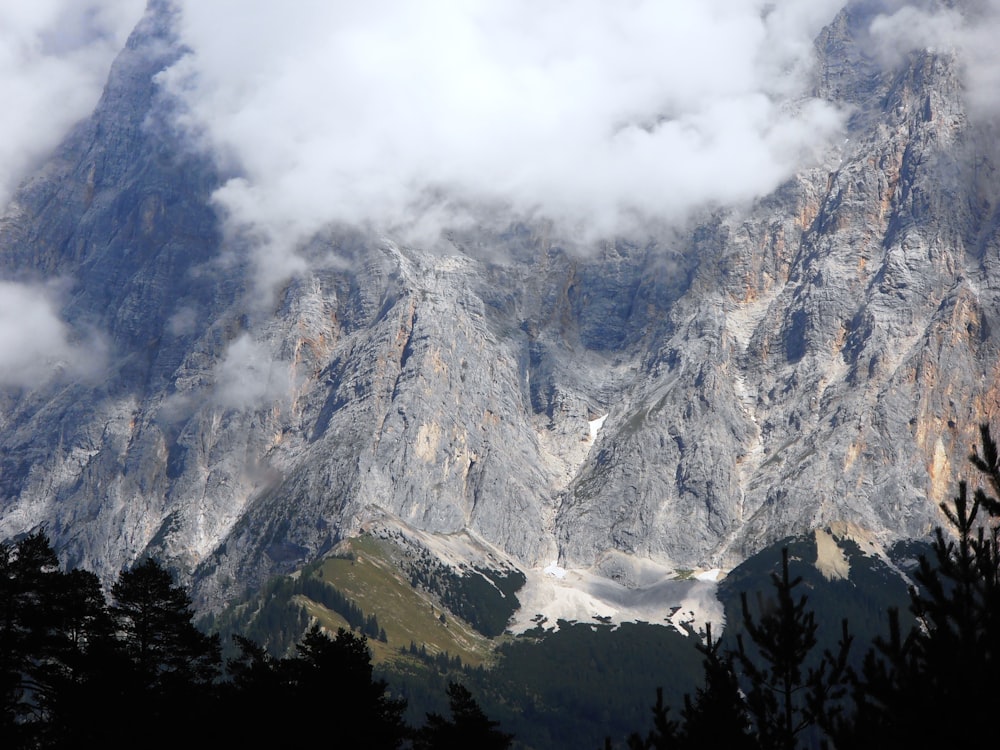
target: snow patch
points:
(554, 593)
(595, 426)
(708, 575)
(555, 571)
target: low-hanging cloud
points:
(54, 60)
(970, 30)
(248, 376)
(595, 116)
(35, 345)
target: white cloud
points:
(249, 377)
(35, 344)
(54, 59)
(591, 114)
(971, 33)
(910, 28)
(183, 322)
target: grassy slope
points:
(573, 687)
(407, 614)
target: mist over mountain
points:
(620, 291)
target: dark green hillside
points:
(567, 688)
(863, 598)
(573, 687)
(362, 588)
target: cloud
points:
(593, 115)
(183, 322)
(970, 32)
(249, 377)
(54, 59)
(35, 345)
(911, 28)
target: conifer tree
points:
(333, 678)
(717, 715)
(155, 620)
(784, 636)
(54, 630)
(258, 689)
(468, 727)
(75, 680)
(29, 579)
(945, 668)
(164, 666)
(792, 697)
(665, 734)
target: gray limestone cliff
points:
(822, 356)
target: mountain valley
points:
(619, 421)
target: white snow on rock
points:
(554, 593)
(708, 575)
(554, 570)
(595, 426)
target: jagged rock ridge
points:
(823, 356)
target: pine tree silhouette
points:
(784, 636)
(469, 727)
(156, 621)
(29, 641)
(784, 696)
(165, 667)
(665, 734)
(717, 715)
(945, 667)
(334, 678)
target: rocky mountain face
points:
(821, 357)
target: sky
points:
(597, 117)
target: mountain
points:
(668, 401)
